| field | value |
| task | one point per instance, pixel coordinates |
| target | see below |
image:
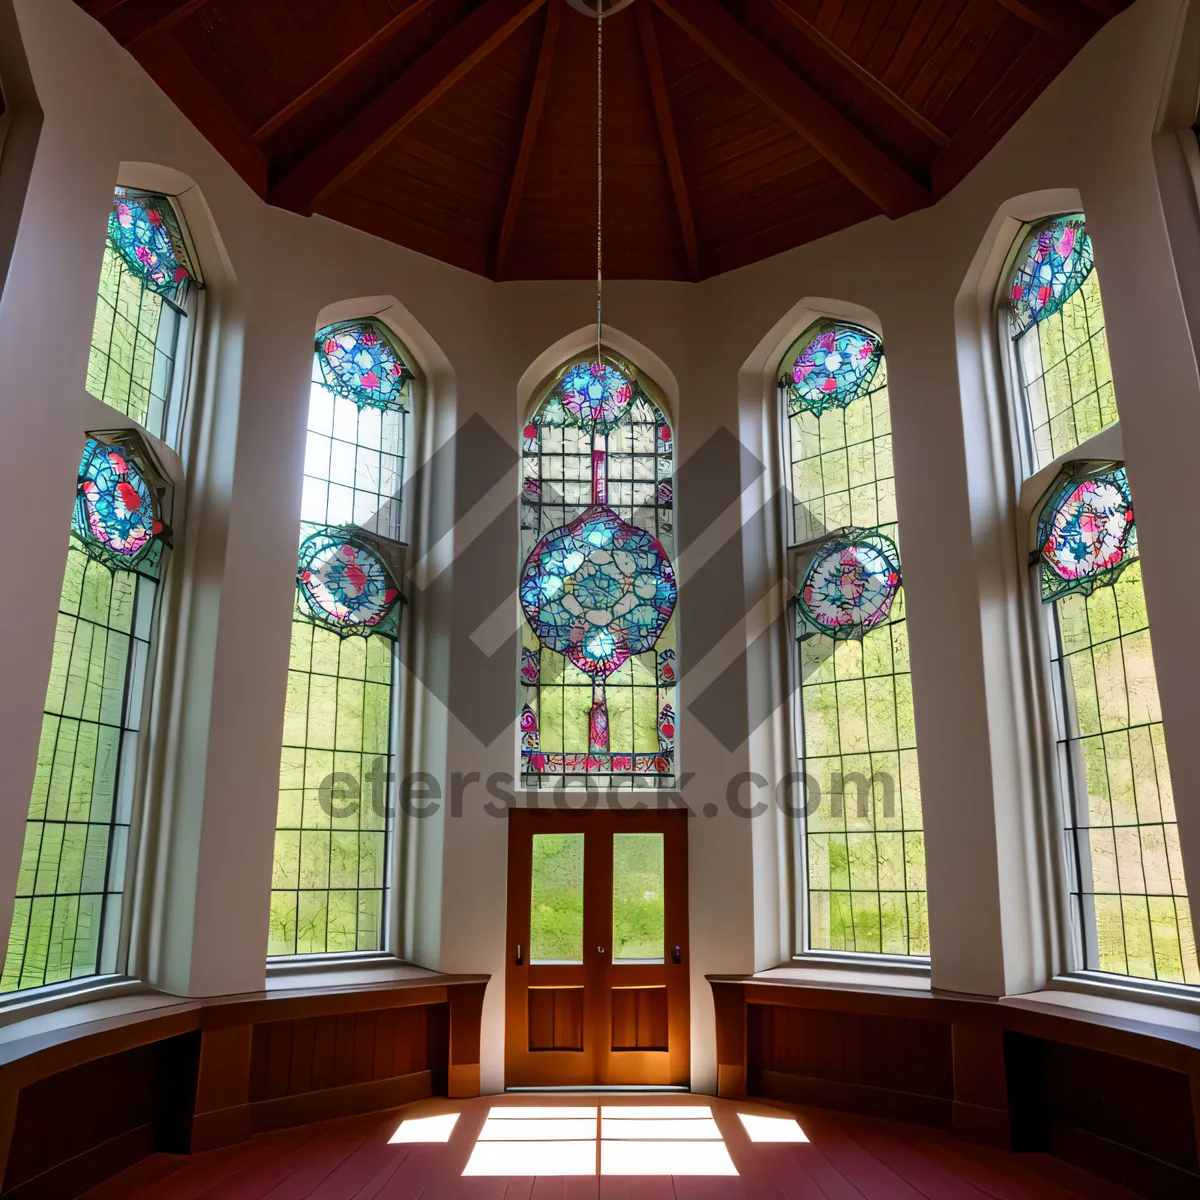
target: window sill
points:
(48, 1020)
(339, 970)
(836, 971)
(1167, 1006)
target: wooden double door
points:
(596, 988)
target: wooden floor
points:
(846, 1158)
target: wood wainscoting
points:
(82, 1102)
(1118, 1098)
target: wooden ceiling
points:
(733, 129)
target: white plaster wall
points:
(271, 274)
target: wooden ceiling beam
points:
(1063, 19)
(832, 51)
(666, 134)
(390, 33)
(533, 116)
(132, 19)
(794, 101)
(350, 148)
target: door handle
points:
(676, 956)
(599, 949)
(520, 959)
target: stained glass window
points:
(333, 825)
(1128, 896)
(1057, 321)
(67, 920)
(598, 588)
(864, 849)
(833, 367)
(146, 280)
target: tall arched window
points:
(864, 849)
(1128, 900)
(69, 919)
(598, 590)
(147, 282)
(334, 822)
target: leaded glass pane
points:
(864, 841)
(1062, 352)
(1128, 896)
(67, 918)
(141, 310)
(333, 825)
(597, 540)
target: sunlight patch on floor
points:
(532, 1158)
(536, 1141)
(772, 1129)
(674, 1139)
(425, 1129)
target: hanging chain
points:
(599, 172)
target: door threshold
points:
(606, 1089)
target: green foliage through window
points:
(556, 898)
(67, 918)
(332, 831)
(864, 841)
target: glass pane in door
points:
(638, 890)
(556, 902)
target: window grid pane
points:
(1125, 880)
(1122, 843)
(134, 343)
(864, 842)
(330, 871)
(1066, 377)
(67, 918)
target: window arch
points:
(598, 590)
(69, 918)
(863, 859)
(334, 823)
(1124, 874)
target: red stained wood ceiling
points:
(734, 129)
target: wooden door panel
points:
(596, 1021)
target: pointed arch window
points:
(863, 859)
(598, 590)
(334, 824)
(1126, 892)
(148, 280)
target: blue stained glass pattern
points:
(118, 514)
(833, 369)
(598, 590)
(1086, 533)
(359, 362)
(144, 230)
(346, 585)
(595, 396)
(849, 585)
(1059, 260)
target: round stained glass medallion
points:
(345, 584)
(598, 590)
(145, 233)
(117, 515)
(595, 395)
(359, 363)
(849, 585)
(1086, 533)
(834, 368)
